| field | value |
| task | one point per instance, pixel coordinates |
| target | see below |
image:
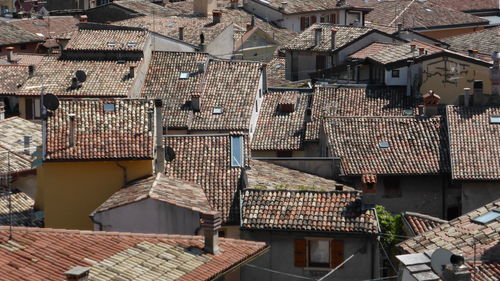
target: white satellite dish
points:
(439, 259)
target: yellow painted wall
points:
(69, 191)
(459, 75)
(443, 33)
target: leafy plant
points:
(391, 227)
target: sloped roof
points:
(417, 145)
(371, 49)
(338, 211)
(12, 35)
(162, 188)
(263, 175)
(12, 77)
(144, 7)
(278, 130)
(327, 101)
(22, 210)
(13, 162)
(100, 134)
(22, 59)
(469, 6)
(13, 130)
(110, 255)
(206, 160)
(104, 78)
(345, 35)
(302, 6)
(474, 143)
(486, 41)
(50, 27)
(420, 223)
(396, 53)
(275, 71)
(99, 40)
(466, 237)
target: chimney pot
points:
(195, 102)
(74, 83)
(216, 16)
(283, 6)
(77, 273)
(31, 70)
(181, 33)
(84, 18)
(10, 54)
(333, 43)
(431, 103)
(467, 96)
(413, 47)
(71, 117)
(211, 222)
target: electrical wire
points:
(279, 272)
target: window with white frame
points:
(237, 152)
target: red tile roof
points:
(301, 6)
(22, 59)
(486, 41)
(474, 143)
(467, 6)
(50, 27)
(394, 53)
(276, 72)
(46, 254)
(12, 77)
(11, 34)
(99, 40)
(420, 223)
(287, 210)
(100, 134)
(417, 145)
(162, 188)
(371, 49)
(22, 209)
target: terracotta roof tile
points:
(22, 210)
(369, 50)
(338, 211)
(104, 78)
(420, 223)
(163, 188)
(466, 6)
(22, 59)
(278, 129)
(100, 134)
(474, 143)
(49, 27)
(486, 41)
(12, 162)
(276, 72)
(47, 253)
(12, 77)
(11, 34)
(144, 7)
(107, 40)
(300, 6)
(417, 145)
(396, 53)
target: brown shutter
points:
(336, 253)
(29, 108)
(333, 18)
(300, 251)
(302, 23)
(313, 20)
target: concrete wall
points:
(26, 184)
(69, 191)
(364, 265)
(264, 53)
(149, 216)
(222, 46)
(477, 194)
(396, 81)
(321, 166)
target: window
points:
(395, 73)
(495, 119)
(131, 44)
(304, 23)
(320, 63)
(109, 107)
(217, 110)
(383, 144)
(488, 217)
(184, 75)
(32, 108)
(237, 152)
(392, 187)
(318, 253)
(111, 44)
(23, 47)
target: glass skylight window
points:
(408, 112)
(109, 107)
(495, 119)
(217, 110)
(184, 75)
(170, 24)
(111, 44)
(488, 217)
(131, 44)
(237, 152)
(383, 144)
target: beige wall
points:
(449, 83)
(443, 33)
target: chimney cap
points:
(10, 48)
(77, 272)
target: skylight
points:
(408, 112)
(495, 119)
(184, 75)
(237, 157)
(488, 217)
(131, 44)
(170, 24)
(109, 107)
(111, 44)
(383, 144)
(217, 110)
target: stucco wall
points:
(477, 194)
(69, 191)
(281, 257)
(397, 81)
(26, 184)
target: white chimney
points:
(467, 96)
(10, 54)
(71, 117)
(77, 273)
(211, 222)
(317, 36)
(2, 110)
(283, 6)
(159, 161)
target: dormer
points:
(287, 102)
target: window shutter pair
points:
(333, 18)
(300, 253)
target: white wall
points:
(222, 46)
(162, 43)
(259, 96)
(393, 81)
(262, 10)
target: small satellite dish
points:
(50, 101)
(440, 258)
(169, 154)
(81, 76)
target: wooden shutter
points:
(29, 108)
(333, 18)
(302, 23)
(336, 253)
(300, 253)
(313, 20)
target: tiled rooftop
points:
(22, 210)
(104, 78)
(300, 6)
(417, 145)
(111, 255)
(144, 7)
(396, 53)
(474, 143)
(48, 27)
(369, 50)
(100, 133)
(277, 129)
(206, 160)
(286, 210)
(263, 175)
(276, 72)
(466, 237)
(420, 223)
(419, 14)
(344, 36)
(486, 41)
(162, 188)
(12, 77)
(467, 6)
(22, 59)
(107, 40)
(163, 82)
(356, 102)
(11, 34)
(13, 162)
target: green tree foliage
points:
(392, 227)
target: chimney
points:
(495, 74)
(84, 18)
(475, 53)
(413, 47)
(249, 27)
(202, 43)
(31, 70)
(201, 66)
(421, 51)
(131, 73)
(211, 222)
(10, 54)
(27, 145)
(252, 22)
(234, 4)
(74, 83)
(216, 16)
(470, 53)
(71, 117)
(263, 70)
(159, 162)
(431, 103)
(283, 6)
(333, 42)
(195, 102)
(400, 27)
(317, 36)
(455, 272)
(204, 7)
(181, 33)
(2, 110)
(467, 97)
(77, 273)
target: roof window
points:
(131, 44)
(170, 24)
(109, 107)
(495, 119)
(217, 110)
(408, 112)
(111, 44)
(383, 144)
(237, 152)
(488, 217)
(184, 75)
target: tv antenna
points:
(51, 102)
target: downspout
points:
(125, 177)
(96, 222)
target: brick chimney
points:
(211, 222)
(333, 39)
(421, 51)
(159, 161)
(431, 103)
(181, 33)
(204, 7)
(317, 36)
(71, 117)
(131, 73)
(84, 18)
(216, 16)
(77, 273)
(195, 102)
(10, 54)
(31, 70)
(495, 74)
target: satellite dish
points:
(50, 101)
(81, 76)
(169, 154)
(440, 258)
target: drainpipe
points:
(124, 169)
